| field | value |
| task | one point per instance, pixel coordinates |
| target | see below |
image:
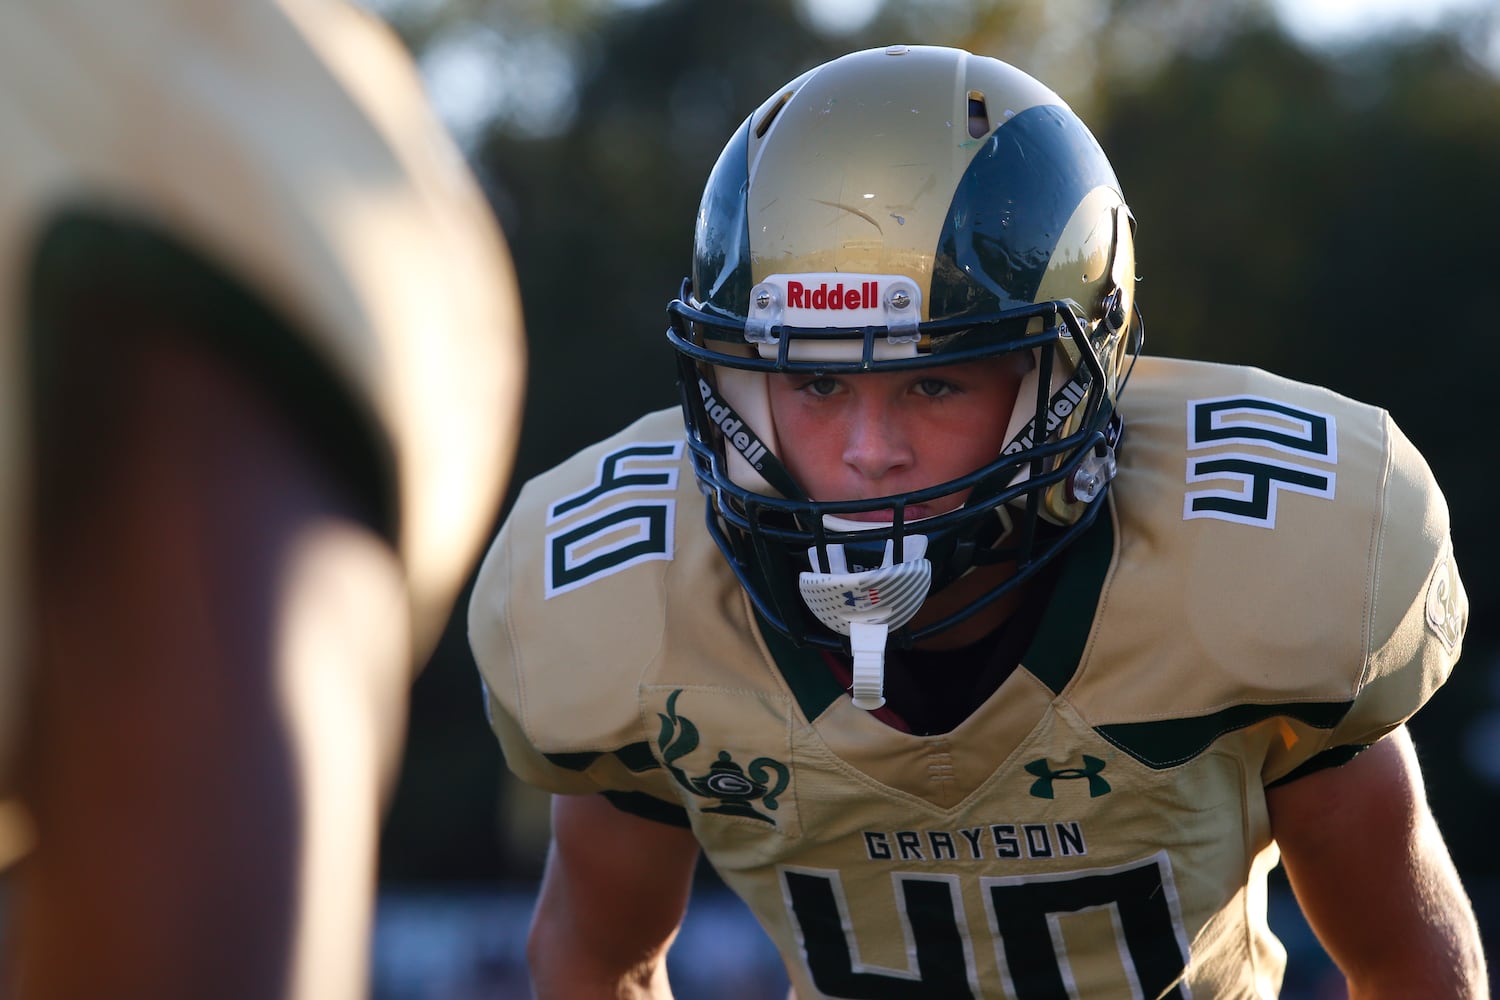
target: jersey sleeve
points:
(1297, 586)
(1418, 607)
(1414, 624)
(503, 656)
(569, 614)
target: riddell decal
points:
(832, 298)
(865, 295)
(1064, 402)
(735, 432)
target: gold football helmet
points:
(903, 208)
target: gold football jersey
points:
(1272, 585)
(285, 144)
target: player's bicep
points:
(613, 897)
(1371, 872)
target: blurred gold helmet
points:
(901, 208)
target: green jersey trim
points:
(1057, 648)
(1336, 757)
(802, 667)
(1170, 742)
(637, 757)
(648, 807)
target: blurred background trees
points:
(1331, 214)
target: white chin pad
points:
(866, 605)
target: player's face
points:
(856, 437)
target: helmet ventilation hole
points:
(770, 115)
(979, 116)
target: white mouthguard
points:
(866, 605)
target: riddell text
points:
(836, 296)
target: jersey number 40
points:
(1023, 916)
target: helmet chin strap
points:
(866, 604)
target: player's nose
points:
(877, 444)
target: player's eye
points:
(933, 388)
(823, 385)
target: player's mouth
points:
(914, 512)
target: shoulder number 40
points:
(587, 541)
(1272, 427)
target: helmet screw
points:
(763, 300)
(900, 299)
(1085, 485)
(1092, 476)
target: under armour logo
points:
(1041, 788)
(869, 596)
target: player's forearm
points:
(567, 971)
(177, 869)
(1408, 931)
(1452, 976)
(1426, 940)
(218, 695)
(1442, 955)
(558, 984)
(223, 844)
(613, 896)
(581, 949)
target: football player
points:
(262, 363)
(976, 674)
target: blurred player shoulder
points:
(282, 149)
(267, 176)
